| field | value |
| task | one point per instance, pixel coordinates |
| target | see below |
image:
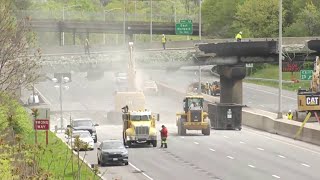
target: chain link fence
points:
(68, 15)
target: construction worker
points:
(163, 41)
(290, 115)
(239, 37)
(86, 47)
(164, 136)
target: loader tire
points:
(183, 130)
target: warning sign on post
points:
(41, 124)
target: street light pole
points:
(63, 30)
(199, 88)
(280, 61)
(151, 21)
(124, 23)
(61, 117)
(200, 17)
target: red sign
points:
(41, 124)
(291, 67)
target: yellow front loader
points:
(193, 117)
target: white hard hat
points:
(162, 34)
(290, 110)
(240, 32)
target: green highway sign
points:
(185, 27)
(306, 74)
(186, 21)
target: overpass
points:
(137, 27)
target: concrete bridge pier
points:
(231, 83)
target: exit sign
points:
(306, 74)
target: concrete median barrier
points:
(258, 119)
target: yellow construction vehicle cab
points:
(193, 117)
(139, 127)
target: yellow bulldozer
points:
(193, 117)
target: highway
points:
(256, 96)
(234, 155)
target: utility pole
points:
(200, 17)
(280, 61)
(61, 117)
(124, 23)
(151, 21)
(199, 88)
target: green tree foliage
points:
(258, 18)
(13, 115)
(218, 16)
(307, 22)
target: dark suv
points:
(86, 124)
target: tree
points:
(218, 16)
(258, 18)
(17, 67)
(307, 23)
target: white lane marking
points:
(262, 105)
(147, 176)
(140, 171)
(242, 142)
(225, 136)
(278, 177)
(281, 156)
(260, 149)
(270, 93)
(196, 142)
(289, 144)
(252, 166)
(182, 137)
(212, 150)
(306, 165)
(230, 157)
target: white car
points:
(85, 137)
(150, 87)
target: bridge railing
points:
(101, 16)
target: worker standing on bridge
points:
(164, 136)
(87, 47)
(163, 41)
(239, 37)
(290, 115)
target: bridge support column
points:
(231, 83)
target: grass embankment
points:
(21, 158)
(272, 72)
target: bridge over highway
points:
(131, 27)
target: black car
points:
(112, 151)
(86, 124)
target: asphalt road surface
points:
(256, 96)
(226, 155)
